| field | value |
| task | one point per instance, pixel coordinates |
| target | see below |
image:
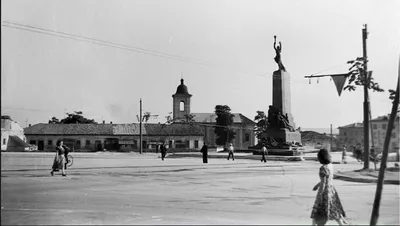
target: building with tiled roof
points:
(243, 126)
(111, 136)
(127, 136)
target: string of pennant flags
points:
(338, 79)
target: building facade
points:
(242, 126)
(12, 136)
(123, 137)
(378, 131)
(353, 134)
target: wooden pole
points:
(331, 137)
(378, 193)
(140, 127)
(366, 99)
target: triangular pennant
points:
(339, 82)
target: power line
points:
(97, 41)
(74, 37)
(115, 45)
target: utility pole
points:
(366, 99)
(379, 186)
(331, 137)
(140, 127)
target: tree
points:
(261, 123)
(223, 122)
(54, 120)
(357, 77)
(73, 118)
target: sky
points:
(120, 51)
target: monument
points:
(281, 133)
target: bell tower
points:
(181, 102)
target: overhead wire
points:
(75, 37)
(117, 45)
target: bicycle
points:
(70, 160)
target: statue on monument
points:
(278, 50)
(277, 120)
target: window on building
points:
(375, 126)
(383, 126)
(4, 141)
(49, 142)
(32, 142)
(87, 142)
(196, 144)
(393, 134)
(246, 137)
(181, 106)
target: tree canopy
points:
(224, 122)
(72, 118)
(261, 123)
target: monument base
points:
(284, 135)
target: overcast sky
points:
(223, 49)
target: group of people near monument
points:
(231, 152)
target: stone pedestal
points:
(284, 135)
(281, 98)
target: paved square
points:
(141, 189)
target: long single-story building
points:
(97, 137)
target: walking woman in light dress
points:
(59, 159)
(327, 204)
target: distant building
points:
(379, 129)
(12, 136)
(351, 134)
(242, 126)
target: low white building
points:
(12, 136)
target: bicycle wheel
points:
(70, 160)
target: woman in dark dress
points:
(59, 159)
(204, 150)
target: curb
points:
(363, 180)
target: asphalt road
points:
(141, 189)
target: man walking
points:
(230, 149)
(264, 152)
(344, 154)
(163, 151)
(204, 150)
